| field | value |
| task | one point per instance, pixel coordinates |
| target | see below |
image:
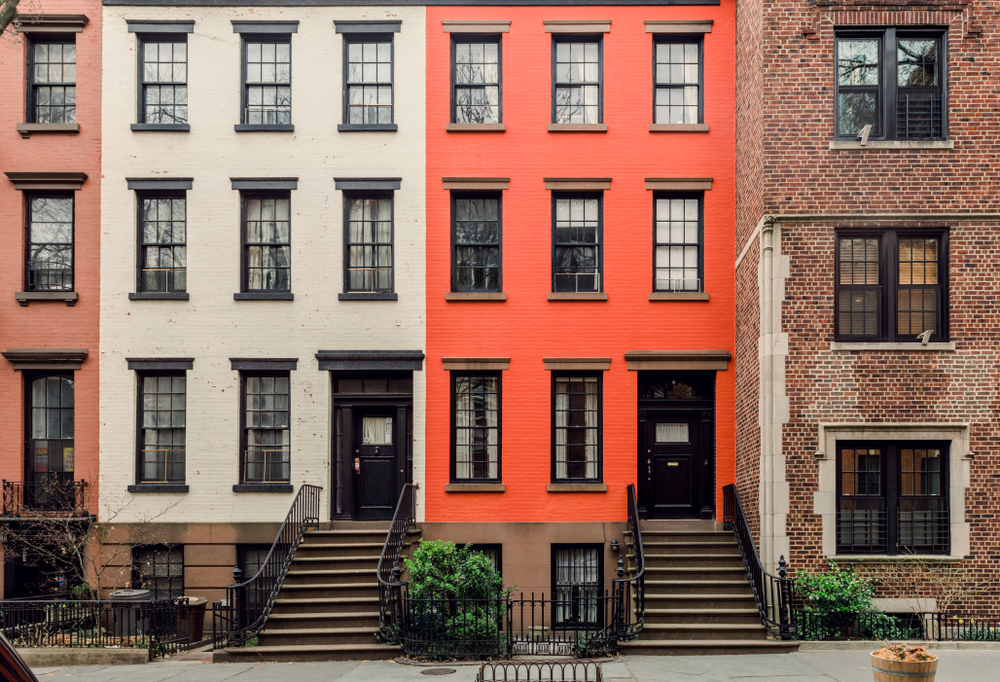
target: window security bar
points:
(267, 465)
(920, 117)
(159, 465)
(269, 115)
(50, 279)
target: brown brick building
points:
(867, 215)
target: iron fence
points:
(388, 571)
(631, 591)
(917, 625)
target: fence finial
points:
(621, 566)
(782, 569)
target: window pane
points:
(477, 427)
(577, 439)
(856, 110)
(917, 62)
(370, 249)
(266, 422)
(857, 61)
(677, 247)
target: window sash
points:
(162, 226)
(577, 79)
(678, 260)
(52, 79)
(162, 427)
(266, 427)
(163, 82)
(49, 262)
(576, 428)
(267, 242)
(475, 426)
(267, 81)
(476, 99)
(678, 86)
(476, 242)
(368, 79)
(577, 586)
(577, 234)
(368, 243)
(159, 569)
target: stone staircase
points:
(698, 598)
(327, 609)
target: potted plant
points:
(902, 663)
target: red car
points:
(12, 666)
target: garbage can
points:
(132, 615)
(195, 617)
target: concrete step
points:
(699, 601)
(679, 587)
(327, 546)
(314, 636)
(329, 590)
(340, 562)
(695, 561)
(717, 647)
(668, 547)
(326, 605)
(701, 631)
(706, 573)
(703, 615)
(367, 619)
(687, 536)
(319, 537)
(330, 576)
(302, 652)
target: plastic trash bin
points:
(131, 616)
(195, 617)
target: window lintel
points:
(258, 184)
(30, 181)
(159, 184)
(271, 27)
(679, 184)
(160, 364)
(51, 23)
(159, 26)
(368, 26)
(367, 184)
(45, 358)
(264, 364)
(474, 26)
(577, 26)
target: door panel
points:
(672, 471)
(374, 464)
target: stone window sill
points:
(360, 296)
(161, 127)
(495, 296)
(574, 296)
(66, 128)
(264, 128)
(577, 487)
(158, 488)
(678, 128)
(908, 347)
(159, 296)
(578, 127)
(475, 127)
(893, 144)
(678, 296)
(262, 488)
(896, 558)
(475, 488)
(26, 297)
(367, 127)
(264, 296)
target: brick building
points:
(867, 220)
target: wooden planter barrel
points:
(885, 670)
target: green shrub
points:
(442, 570)
(836, 590)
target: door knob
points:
(376, 451)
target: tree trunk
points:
(8, 12)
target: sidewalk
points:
(803, 666)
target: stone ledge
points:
(897, 145)
(496, 297)
(905, 346)
(577, 488)
(60, 657)
(475, 488)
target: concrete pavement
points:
(802, 666)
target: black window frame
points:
(140, 437)
(891, 495)
(141, 245)
(262, 38)
(677, 38)
(889, 283)
(554, 379)
(599, 195)
(498, 375)
(599, 606)
(28, 196)
(143, 38)
(470, 38)
(349, 197)
(171, 556)
(244, 439)
(700, 197)
(31, 103)
(580, 38)
(457, 196)
(887, 96)
(245, 197)
(353, 38)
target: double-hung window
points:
(163, 68)
(577, 586)
(678, 257)
(49, 262)
(162, 243)
(476, 241)
(52, 79)
(476, 79)
(577, 79)
(678, 76)
(475, 442)
(893, 80)
(162, 427)
(266, 100)
(891, 285)
(892, 498)
(577, 226)
(576, 428)
(159, 569)
(266, 432)
(368, 236)
(368, 80)
(267, 257)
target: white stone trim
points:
(959, 461)
(907, 346)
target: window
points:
(475, 400)
(52, 80)
(50, 456)
(677, 70)
(163, 65)
(891, 286)
(677, 243)
(266, 428)
(493, 552)
(49, 264)
(369, 244)
(476, 227)
(476, 79)
(162, 243)
(159, 569)
(576, 428)
(267, 85)
(267, 257)
(892, 498)
(368, 79)
(162, 410)
(576, 237)
(892, 80)
(576, 80)
(577, 585)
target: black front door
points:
(671, 467)
(375, 442)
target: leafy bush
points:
(836, 590)
(439, 569)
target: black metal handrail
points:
(631, 591)
(249, 603)
(773, 594)
(390, 597)
(53, 497)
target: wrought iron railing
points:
(46, 497)
(773, 594)
(919, 118)
(390, 595)
(631, 591)
(917, 625)
(248, 604)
